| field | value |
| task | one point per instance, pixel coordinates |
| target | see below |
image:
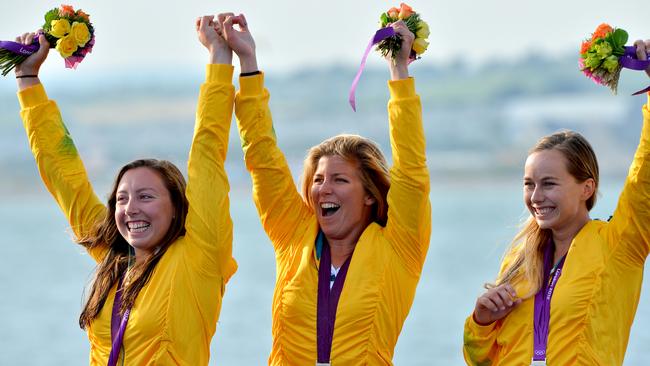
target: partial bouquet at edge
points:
(68, 31)
(392, 45)
(604, 55)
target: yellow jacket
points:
(596, 297)
(175, 314)
(387, 261)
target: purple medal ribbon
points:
(328, 300)
(543, 303)
(629, 61)
(118, 325)
(379, 36)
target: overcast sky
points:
(291, 34)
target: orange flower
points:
(405, 11)
(586, 45)
(601, 31)
(83, 15)
(66, 10)
(392, 12)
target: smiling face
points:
(555, 198)
(143, 209)
(342, 205)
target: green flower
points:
(611, 63)
(592, 61)
(604, 49)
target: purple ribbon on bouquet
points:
(379, 36)
(19, 48)
(629, 61)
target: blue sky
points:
(291, 34)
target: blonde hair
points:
(373, 169)
(526, 252)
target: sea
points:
(43, 275)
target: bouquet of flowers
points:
(599, 56)
(68, 31)
(391, 45)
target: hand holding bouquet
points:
(391, 45)
(389, 42)
(68, 31)
(604, 55)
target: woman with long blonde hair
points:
(569, 286)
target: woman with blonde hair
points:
(163, 248)
(569, 286)
(350, 251)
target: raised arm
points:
(278, 203)
(56, 156)
(208, 223)
(630, 225)
(409, 210)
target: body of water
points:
(42, 276)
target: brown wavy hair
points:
(116, 261)
(528, 246)
(373, 169)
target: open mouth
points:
(137, 226)
(542, 211)
(328, 209)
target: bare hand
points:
(240, 40)
(642, 51)
(399, 62)
(211, 37)
(495, 304)
(32, 64)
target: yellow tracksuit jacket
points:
(175, 314)
(387, 261)
(596, 297)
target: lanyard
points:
(328, 299)
(118, 325)
(543, 303)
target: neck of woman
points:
(564, 237)
(340, 251)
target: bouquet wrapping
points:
(67, 30)
(604, 55)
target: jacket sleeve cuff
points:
(32, 96)
(219, 73)
(478, 329)
(401, 89)
(251, 85)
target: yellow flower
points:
(420, 45)
(80, 33)
(66, 46)
(423, 32)
(60, 28)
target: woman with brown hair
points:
(164, 249)
(569, 286)
(350, 251)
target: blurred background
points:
(497, 76)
